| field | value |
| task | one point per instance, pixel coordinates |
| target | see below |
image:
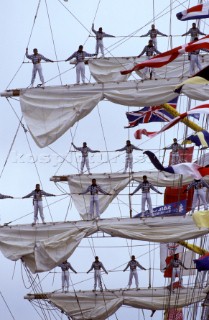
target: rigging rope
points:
(10, 149)
(8, 308)
(73, 16)
(34, 21)
(158, 16)
(37, 289)
(38, 6)
(53, 39)
(96, 10)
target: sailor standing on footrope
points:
(176, 272)
(37, 202)
(153, 32)
(149, 50)
(175, 147)
(199, 193)
(85, 159)
(133, 264)
(146, 186)
(97, 266)
(194, 31)
(94, 189)
(65, 266)
(80, 56)
(36, 59)
(129, 155)
(194, 59)
(99, 39)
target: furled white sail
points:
(115, 182)
(45, 246)
(111, 183)
(108, 69)
(50, 112)
(197, 91)
(86, 305)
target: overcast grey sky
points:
(68, 27)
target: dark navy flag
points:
(150, 114)
(202, 263)
(195, 115)
(174, 208)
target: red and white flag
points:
(199, 11)
(168, 56)
(174, 314)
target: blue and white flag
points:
(171, 209)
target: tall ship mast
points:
(44, 126)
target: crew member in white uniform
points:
(36, 59)
(94, 189)
(194, 31)
(153, 32)
(97, 266)
(195, 60)
(146, 186)
(85, 159)
(176, 272)
(37, 202)
(80, 56)
(65, 266)
(133, 264)
(175, 147)
(99, 39)
(149, 50)
(129, 155)
(199, 193)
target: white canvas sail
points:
(45, 246)
(85, 305)
(114, 183)
(108, 69)
(50, 112)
